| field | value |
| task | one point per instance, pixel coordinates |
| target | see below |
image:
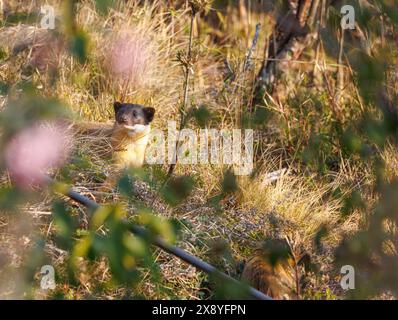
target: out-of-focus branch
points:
(293, 33)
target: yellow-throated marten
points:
(130, 134)
(126, 140)
(278, 277)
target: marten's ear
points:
(116, 106)
(149, 112)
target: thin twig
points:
(340, 71)
(359, 98)
(249, 54)
(186, 92)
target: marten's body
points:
(276, 281)
(129, 151)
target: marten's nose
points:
(124, 119)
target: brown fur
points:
(124, 149)
(278, 282)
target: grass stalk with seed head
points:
(187, 68)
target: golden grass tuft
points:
(302, 205)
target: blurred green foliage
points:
(372, 251)
(177, 189)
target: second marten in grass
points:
(275, 281)
(275, 273)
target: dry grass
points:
(302, 204)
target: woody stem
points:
(186, 92)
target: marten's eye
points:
(134, 114)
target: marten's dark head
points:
(134, 118)
(130, 114)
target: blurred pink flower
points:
(35, 150)
(129, 58)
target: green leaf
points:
(202, 116)
(3, 88)
(276, 251)
(79, 45)
(103, 6)
(229, 184)
(9, 197)
(177, 189)
(65, 224)
(3, 54)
